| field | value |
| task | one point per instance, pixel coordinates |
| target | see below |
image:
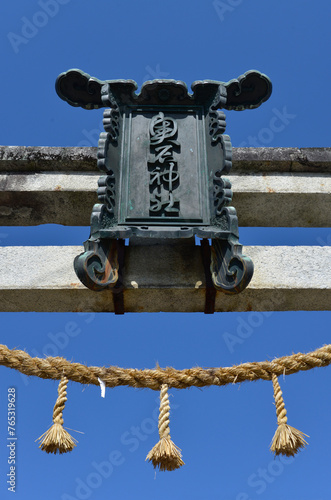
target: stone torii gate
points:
(163, 154)
(273, 187)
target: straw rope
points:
(165, 455)
(164, 429)
(287, 440)
(57, 367)
(279, 402)
(56, 439)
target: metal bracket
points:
(210, 290)
(117, 290)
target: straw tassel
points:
(165, 454)
(287, 440)
(57, 439)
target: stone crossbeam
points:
(273, 187)
(285, 278)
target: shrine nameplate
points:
(163, 155)
(162, 167)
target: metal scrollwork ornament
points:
(163, 156)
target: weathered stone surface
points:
(273, 200)
(286, 187)
(277, 160)
(285, 278)
(283, 200)
(60, 159)
(47, 198)
(47, 159)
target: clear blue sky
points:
(224, 433)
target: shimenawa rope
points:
(165, 454)
(113, 376)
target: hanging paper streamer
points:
(57, 439)
(165, 454)
(102, 387)
(287, 440)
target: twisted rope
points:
(56, 438)
(60, 402)
(287, 440)
(56, 367)
(164, 420)
(279, 401)
(165, 454)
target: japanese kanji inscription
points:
(163, 155)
